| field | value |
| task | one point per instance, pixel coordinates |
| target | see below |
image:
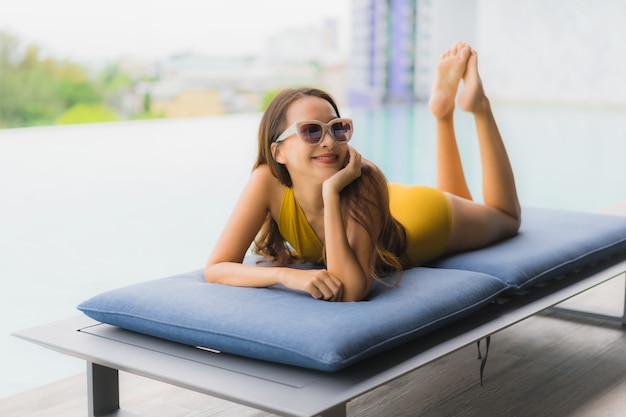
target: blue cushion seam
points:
(573, 260)
(416, 330)
(298, 352)
(553, 268)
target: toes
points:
(460, 49)
(464, 53)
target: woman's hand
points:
(347, 174)
(317, 282)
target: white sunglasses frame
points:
(293, 129)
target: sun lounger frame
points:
(282, 389)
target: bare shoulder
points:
(263, 172)
(264, 182)
(263, 177)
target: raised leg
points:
(499, 190)
(450, 175)
(104, 392)
(473, 224)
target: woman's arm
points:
(349, 246)
(224, 264)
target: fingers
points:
(353, 168)
(326, 287)
(346, 175)
(327, 292)
(355, 158)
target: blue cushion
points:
(279, 325)
(284, 326)
(550, 243)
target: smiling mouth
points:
(326, 158)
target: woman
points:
(311, 189)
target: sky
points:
(94, 31)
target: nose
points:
(327, 140)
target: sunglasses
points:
(312, 131)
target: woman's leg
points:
(498, 181)
(450, 176)
(473, 224)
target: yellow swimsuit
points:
(423, 211)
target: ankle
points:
(442, 112)
(479, 106)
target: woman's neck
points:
(309, 196)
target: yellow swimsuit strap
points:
(423, 211)
(296, 229)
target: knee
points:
(475, 225)
(510, 226)
(513, 223)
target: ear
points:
(275, 148)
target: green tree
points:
(87, 113)
(268, 97)
(38, 91)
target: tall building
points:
(395, 46)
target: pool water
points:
(563, 157)
(94, 207)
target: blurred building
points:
(190, 85)
(536, 51)
(395, 46)
(554, 52)
(319, 43)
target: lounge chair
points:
(285, 353)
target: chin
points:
(324, 174)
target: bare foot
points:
(472, 97)
(450, 70)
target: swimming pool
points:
(94, 207)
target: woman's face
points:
(303, 160)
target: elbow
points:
(356, 295)
(517, 219)
(514, 225)
(219, 272)
(352, 299)
(209, 273)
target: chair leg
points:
(624, 310)
(622, 319)
(586, 314)
(337, 411)
(104, 392)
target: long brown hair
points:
(362, 200)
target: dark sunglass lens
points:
(311, 133)
(341, 131)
